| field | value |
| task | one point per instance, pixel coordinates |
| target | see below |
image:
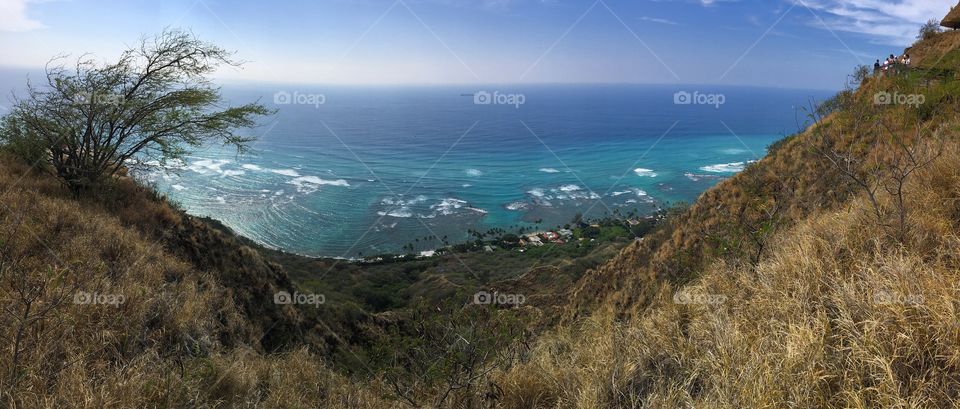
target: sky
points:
(810, 44)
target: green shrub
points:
(16, 139)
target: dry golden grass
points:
(165, 345)
(836, 316)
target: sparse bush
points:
(16, 139)
(446, 358)
(901, 147)
(929, 30)
(860, 74)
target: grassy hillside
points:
(126, 304)
(796, 180)
(121, 298)
(835, 316)
(825, 275)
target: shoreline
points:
(496, 241)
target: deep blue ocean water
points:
(372, 169)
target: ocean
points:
(358, 171)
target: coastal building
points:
(551, 236)
(565, 233)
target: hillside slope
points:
(792, 182)
(789, 181)
(826, 275)
(125, 302)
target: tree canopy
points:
(91, 120)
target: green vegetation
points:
(389, 282)
(89, 122)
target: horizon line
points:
(219, 80)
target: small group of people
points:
(892, 65)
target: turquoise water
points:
(372, 169)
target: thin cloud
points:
(889, 22)
(13, 17)
(659, 20)
(705, 3)
(708, 3)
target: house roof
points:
(952, 20)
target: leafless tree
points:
(898, 152)
(30, 298)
